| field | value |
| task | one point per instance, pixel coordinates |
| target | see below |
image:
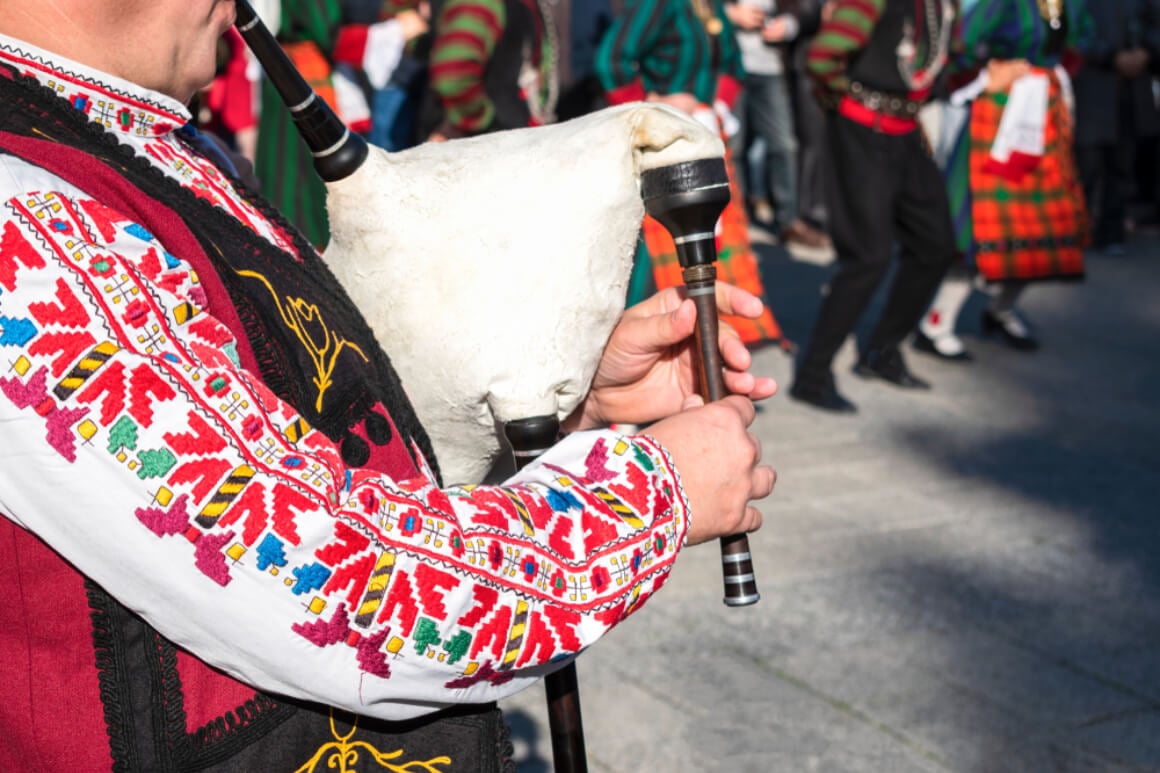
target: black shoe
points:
(825, 397)
(888, 365)
(1017, 339)
(923, 343)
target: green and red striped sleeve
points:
(628, 41)
(846, 31)
(466, 34)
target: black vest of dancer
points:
(876, 65)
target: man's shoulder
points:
(20, 178)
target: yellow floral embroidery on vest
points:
(300, 316)
(342, 755)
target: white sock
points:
(1011, 322)
(948, 345)
(939, 321)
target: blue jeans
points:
(392, 119)
(766, 147)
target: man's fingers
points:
(763, 480)
(659, 330)
(692, 401)
(662, 302)
(753, 387)
(733, 300)
(743, 405)
(756, 443)
(752, 520)
(740, 383)
(732, 348)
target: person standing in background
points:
(875, 63)
(766, 113)
(493, 66)
(394, 107)
(582, 25)
(1020, 219)
(314, 36)
(1115, 109)
(684, 53)
(809, 126)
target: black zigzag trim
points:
(219, 739)
(109, 648)
(157, 738)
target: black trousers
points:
(810, 122)
(880, 189)
(1106, 172)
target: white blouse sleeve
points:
(133, 443)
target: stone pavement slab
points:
(961, 580)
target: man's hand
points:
(1001, 73)
(413, 23)
(1131, 63)
(681, 100)
(719, 461)
(780, 29)
(745, 17)
(648, 370)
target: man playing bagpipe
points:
(226, 541)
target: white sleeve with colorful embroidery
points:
(119, 428)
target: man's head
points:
(164, 45)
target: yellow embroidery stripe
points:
(184, 312)
(297, 429)
(84, 369)
(522, 512)
(620, 508)
(376, 590)
(516, 636)
(225, 495)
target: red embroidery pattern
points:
(529, 540)
(107, 347)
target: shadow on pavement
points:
(1036, 628)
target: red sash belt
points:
(877, 120)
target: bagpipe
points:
(493, 269)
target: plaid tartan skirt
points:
(1037, 226)
(736, 262)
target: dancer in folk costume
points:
(875, 63)
(1117, 116)
(1021, 218)
(767, 29)
(684, 53)
(493, 66)
(316, 38)
(220, 518)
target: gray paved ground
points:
(962, 580)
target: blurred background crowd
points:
(1075, 171)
